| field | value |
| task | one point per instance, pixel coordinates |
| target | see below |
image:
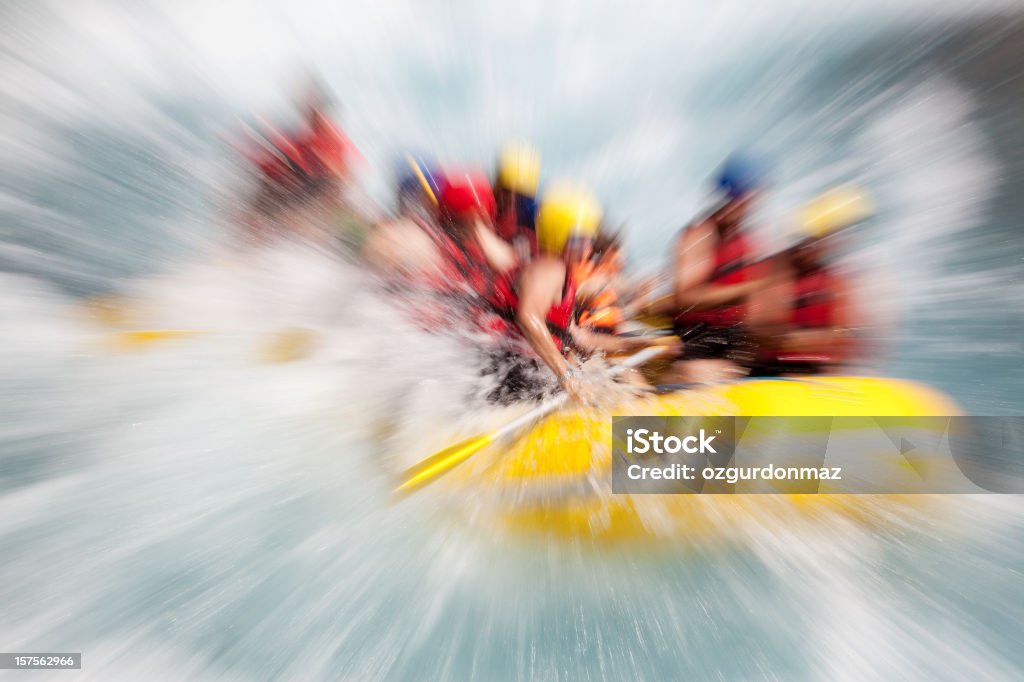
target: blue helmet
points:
(408, 185)
(741, 173)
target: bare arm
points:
(853, 318)
(663, 305)
(540, 288)
(613, 345)
(845, 322)
(592, 342)
(694, 265)
(500, 256)
(770, 306)
(835, 340)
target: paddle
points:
(137, 338)
(422, 177)
(443, 461)
(288, 345)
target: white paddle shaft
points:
(552, 404)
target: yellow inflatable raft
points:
(554, 480)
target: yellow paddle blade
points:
(138, 338)
(110, 310)
(441, 462)
(421, 177)
(655, 321)
(289, 346)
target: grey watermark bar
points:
(18, 661)
(817, 455)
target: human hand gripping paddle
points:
(443, 461)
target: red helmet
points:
(466, 193)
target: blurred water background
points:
(192, 512)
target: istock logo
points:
(657, 455)
(645, 441)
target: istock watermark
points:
(652, 441)
(806, 455)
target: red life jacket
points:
(814, 305)
(310, 155)
(732, 259)
(559, 317)
(466, 273)
(279, 161)
(289, 152)
(507, 224)
(813, 308)
(492, 296)
(515, 223)
(326, 150)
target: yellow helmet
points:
(519, 168)
(834, 210)
(566, 210)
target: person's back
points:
(714, 275)
(302, 173)
(411, 249)
(327, 152)
(713, 256)
(815, 318)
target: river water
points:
(195, 511)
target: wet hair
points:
(605, 241)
